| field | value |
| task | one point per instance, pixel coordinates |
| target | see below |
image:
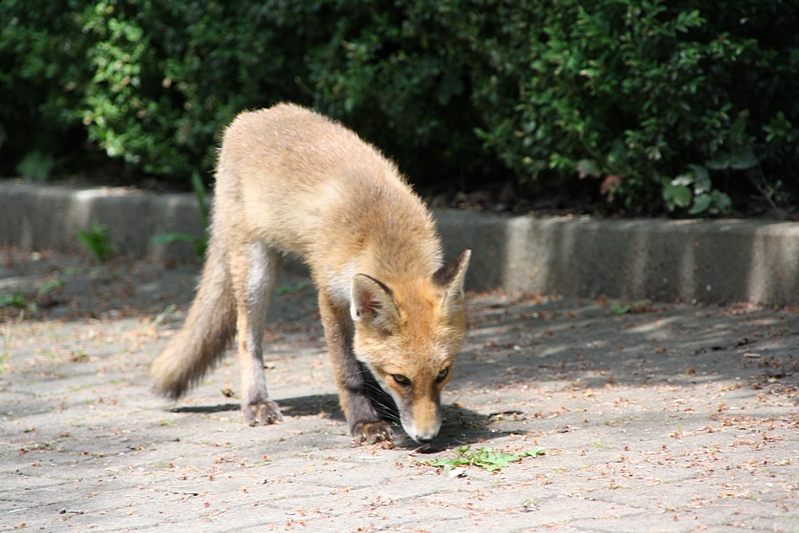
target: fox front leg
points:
(364, 422)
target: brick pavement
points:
(653, 417)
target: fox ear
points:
(373, 304)
(450, 278)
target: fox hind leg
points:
(254, 271)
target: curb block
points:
(662, 260)
(45, 217)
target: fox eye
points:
(441, 375)
(401, 380)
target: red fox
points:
(290, 181)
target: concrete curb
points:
(706, 261)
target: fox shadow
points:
(460, 425)
(313, 405)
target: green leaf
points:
(486, 458)
(720, 162)
(15, 300)
(778, 127)
(744, 160)
(288, 289)
(740, 160)
(534, 453)
(677, 196)
(701, 204)
(721, 202)
(702, 181)
(96, 241)
(49, 286)
(620, 309)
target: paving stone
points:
(663, 418)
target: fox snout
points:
(421, 421)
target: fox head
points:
(408, 335)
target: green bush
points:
(42, 68)
(656, 104)
(639, 91)
(152, 83)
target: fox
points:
(290, 181)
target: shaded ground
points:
(653, 417)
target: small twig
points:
(767, 195)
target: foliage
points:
(31, 305)
(291, 289)
(486, 458)
(640, 91)
(13, 300)
(36, 165)
(96, 241)
(655, 104)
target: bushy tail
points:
(205, 336)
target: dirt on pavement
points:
(652, 417)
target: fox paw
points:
(262, 413)
(371, 432)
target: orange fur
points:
(292, 181)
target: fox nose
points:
(425, 438)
